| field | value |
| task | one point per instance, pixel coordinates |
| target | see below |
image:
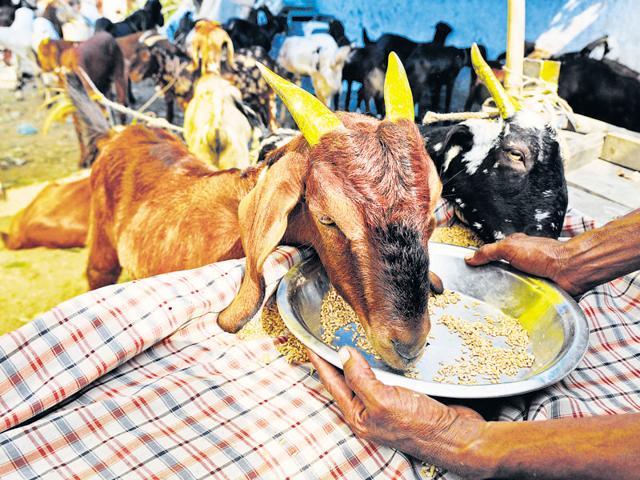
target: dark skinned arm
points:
(458, 439)
(587, 260)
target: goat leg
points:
(81, 141)
(103, 266)
(347, 99)
(121, 83)
(272, 113)
(435, 96)
(169, 101)
(449, 91)
(132, 99)
(379, 101)
(360, 99)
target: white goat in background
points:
(319, 57)
(17, 38)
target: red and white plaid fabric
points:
(137, 381)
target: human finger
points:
(485, 254)
(359, 376)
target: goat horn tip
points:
(398, 98)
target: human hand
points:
(401, 418)
(543, 257)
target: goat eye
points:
(326, 220)
(515, 155)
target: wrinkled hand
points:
(543, 257)
(398, 417)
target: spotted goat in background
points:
(246, 76)
(504, 175)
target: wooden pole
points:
(515, 47)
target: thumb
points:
(485, 254)
(358, 374)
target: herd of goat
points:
(360, 189)
(601, 88)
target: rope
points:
(161, 91)
(541, 96)
(153, 121)
(432, 117)
(536, 94)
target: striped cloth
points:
(137, 381)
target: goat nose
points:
(408, 352)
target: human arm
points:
(458, 439)
(587, 260)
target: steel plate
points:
(557, 328)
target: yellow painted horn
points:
(398, 99)
(314, 119)
(507, 106)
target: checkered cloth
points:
(137, 381)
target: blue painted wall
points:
(575, 22)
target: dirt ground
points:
(47, 157)
(34, 280)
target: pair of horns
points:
(314, 119)
(507, 106)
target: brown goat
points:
(99, 56)
(50, 51)
(56, 218)
(360, 191)
(102, 60)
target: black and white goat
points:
(504, 175)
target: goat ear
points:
(263, 215)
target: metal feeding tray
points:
(557, 329)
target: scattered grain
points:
(335, 314)
(428, 471)
(288, 345)
(252, 330)
(480, 356)
(445, 299)
(456, 235)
